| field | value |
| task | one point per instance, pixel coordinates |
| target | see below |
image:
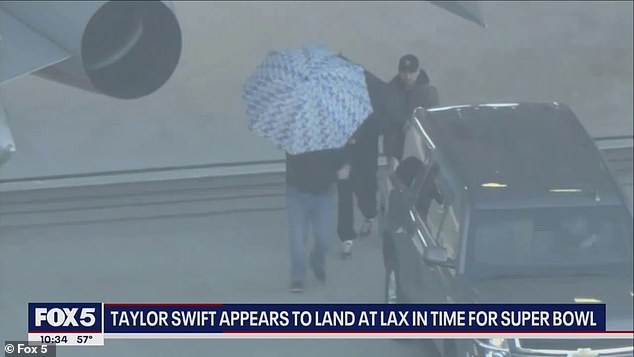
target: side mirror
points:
(437, 256)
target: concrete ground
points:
(176, 241)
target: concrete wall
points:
(579, 53)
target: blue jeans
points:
(305, 210)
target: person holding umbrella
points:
(309, 102)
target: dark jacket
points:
(363, 149)
(423, 94)
(314, 172)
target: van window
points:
(439, 211)
(416, 156)
(415, 145)
(550, 240)
(408, 170)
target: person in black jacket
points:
(310, 201)
(363, 152)
(413, 88)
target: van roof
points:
(510, 152)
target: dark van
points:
(508, 203)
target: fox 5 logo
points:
(65, 316)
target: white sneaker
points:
(346, 248)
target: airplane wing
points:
(469, 10)
(23, 50)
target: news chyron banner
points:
(91, 323)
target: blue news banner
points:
(82, 320)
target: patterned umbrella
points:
(306, 99)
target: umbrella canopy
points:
(386, 101)
(469, 10)
(385, 98)
(306, 99)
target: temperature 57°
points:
(83, 339)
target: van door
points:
(400, 227)
(438, 221)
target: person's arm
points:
(395, 104)
(432, 99)
(425, 96)
(340, 159)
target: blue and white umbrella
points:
(306, 99)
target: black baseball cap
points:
(408, 64)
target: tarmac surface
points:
(199, 240)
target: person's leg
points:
(298, 213)
(366, 187)
(345, 210)
(366, 190)
(345, 215)
(323, 220)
